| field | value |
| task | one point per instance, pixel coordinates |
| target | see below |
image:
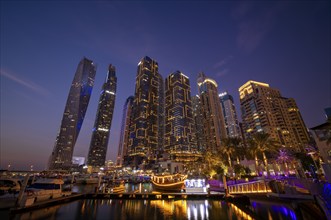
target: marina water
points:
(99, 209)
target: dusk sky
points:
(283, 43)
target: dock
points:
(155, 196)
(47, 203)
(134, 196)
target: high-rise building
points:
(161, 120)
(100, 134)
(214, 125)
(179, 138)
(198, 121)
(73, 116)
(125, 131)
(230, 115)
(146, 130)
(322, 136)
(263, 109)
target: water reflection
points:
(159, 209)
(129, 188)
(276, 210)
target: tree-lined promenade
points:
(233, 157)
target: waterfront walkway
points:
(134, 196)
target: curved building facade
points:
(101, 130)
(213, 123)
(73, 116)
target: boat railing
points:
(168, 179)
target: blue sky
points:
(283, 43)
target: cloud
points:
(254, 27)
(241, 10)
(223, 62)
(251, 34)
(23, 82)
(222, 72)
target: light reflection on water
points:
(141, 188)
(157, 209)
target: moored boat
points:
(9, 185)
(115, 187)
(86, 179)
(169, 182)
(46, 188)
(9, 189)
(195, 185)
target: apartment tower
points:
(263, 109)
(125, 131)
(213, 120)
(100, 134)
(179, 139)
(198, 123)
(73, 116)
(230, 115)
(146, 132)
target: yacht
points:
(9, 185)
(9, 190)
(86, 179)
(46, 188)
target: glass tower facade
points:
(230, 115)
(213, 120)
(180, 140)
(198, 119)
(100, 134)
(146, 130)
(73, 116)
(125, 131)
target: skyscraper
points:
(179, 139)
(147, 120)
(230, 115)
(125, 131)
(100, 135)
(73, 116)
(198, 119)
(263, 109)
(214, 125)
(161, 120)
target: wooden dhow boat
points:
(169, 182)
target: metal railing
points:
(260, 186)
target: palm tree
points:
(228, 149)
(262, 143)
(284, 157)
(253, 151)
(238, 149)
